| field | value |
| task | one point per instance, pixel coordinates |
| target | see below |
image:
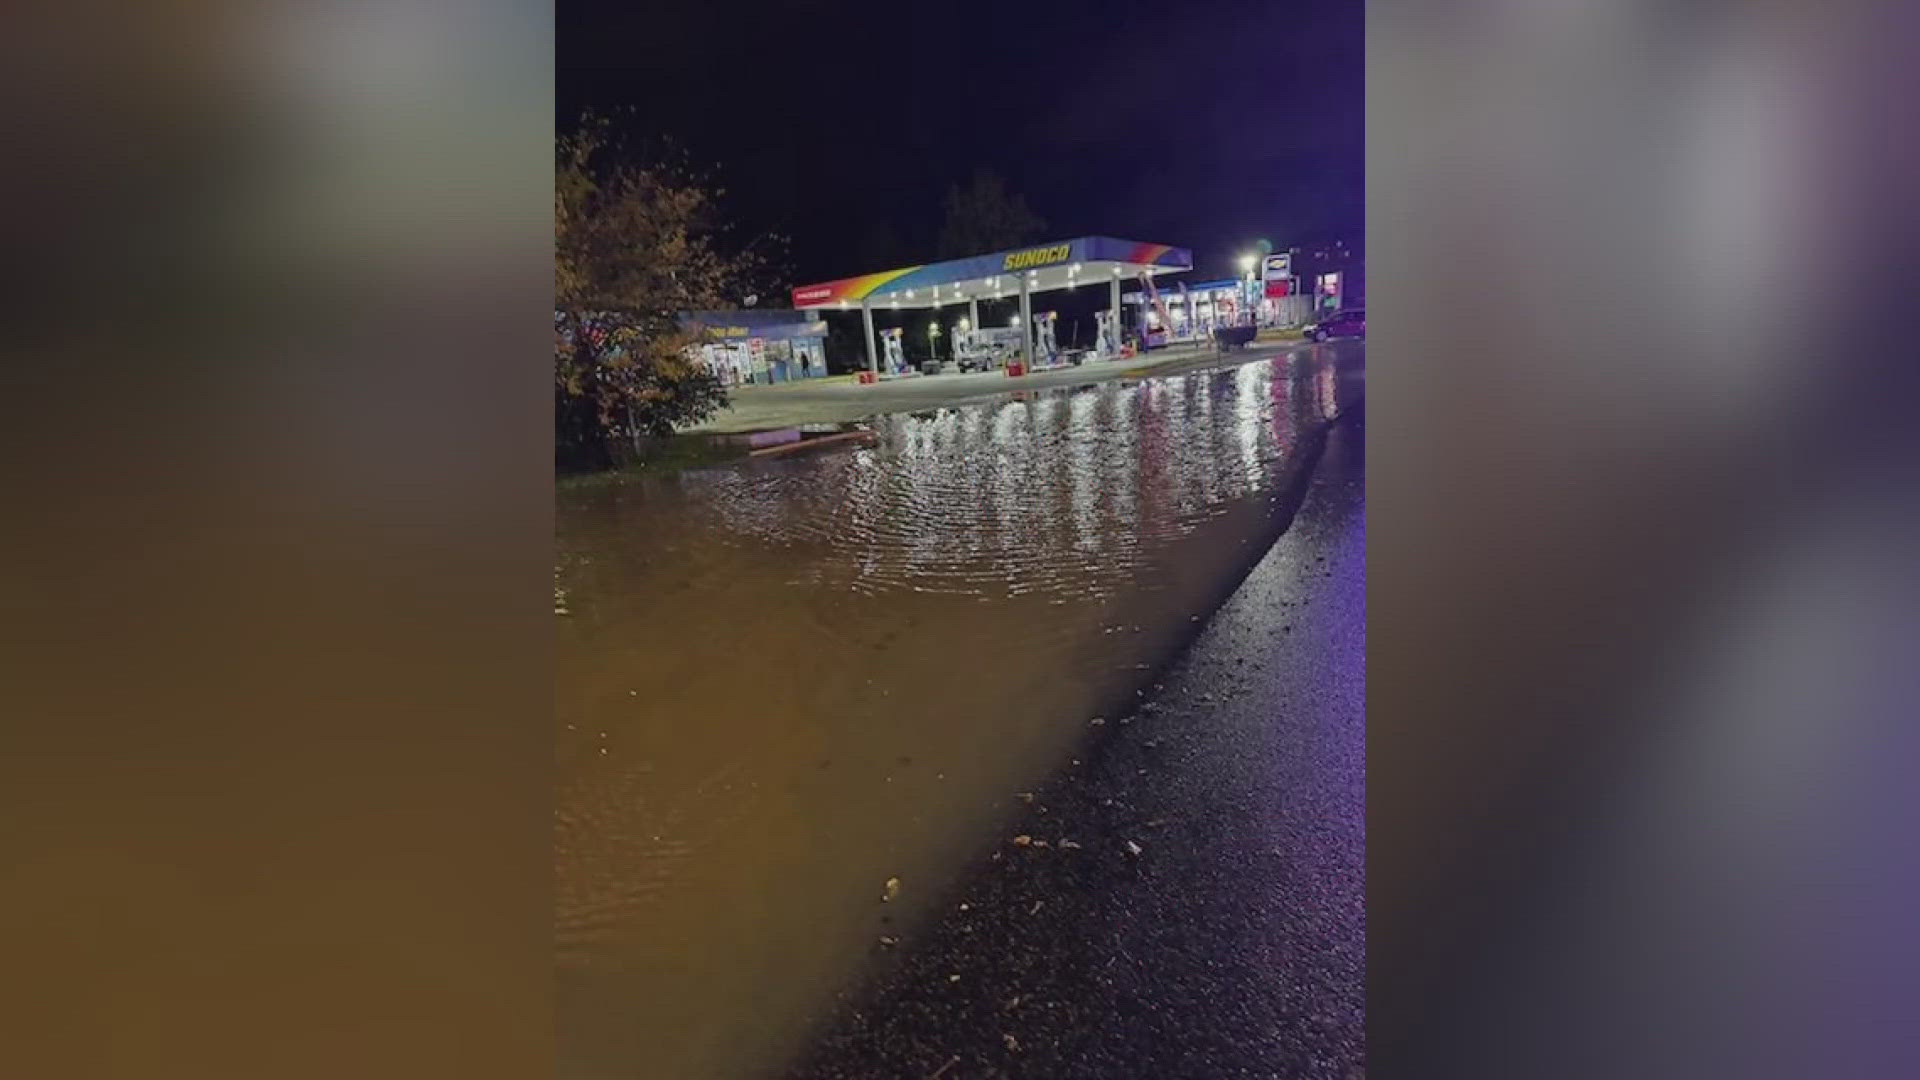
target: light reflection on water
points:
(785, 682)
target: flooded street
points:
(784, 682)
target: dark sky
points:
(841, 123)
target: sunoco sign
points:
(1021, 260)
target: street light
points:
(1247, 263)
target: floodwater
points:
(784, 682)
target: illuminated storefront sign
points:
(1021, 260)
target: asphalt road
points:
(1186, 900)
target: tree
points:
(634, 247)
(985, 217)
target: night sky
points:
(1204, 124)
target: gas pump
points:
(1106, 341)
(896, 361)
(1156, 324)
(1044, 347)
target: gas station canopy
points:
(1087, 260)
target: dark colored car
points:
(1339, 324)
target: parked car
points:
(1351, 324)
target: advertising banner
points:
(1327, 291)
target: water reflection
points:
(786, 682)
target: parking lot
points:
(841, 399)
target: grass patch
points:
(686, 450)
(1208, 357)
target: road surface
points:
(1187, 900)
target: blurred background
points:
(278, 539)
(277, 787)
(1640, 604)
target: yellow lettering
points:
(1020, 260)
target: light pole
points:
(1247, 263)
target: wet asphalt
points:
(1186, 899)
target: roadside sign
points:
(1278, 272)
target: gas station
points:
(1023, 272)
(1192, 311)
(1189, 311)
